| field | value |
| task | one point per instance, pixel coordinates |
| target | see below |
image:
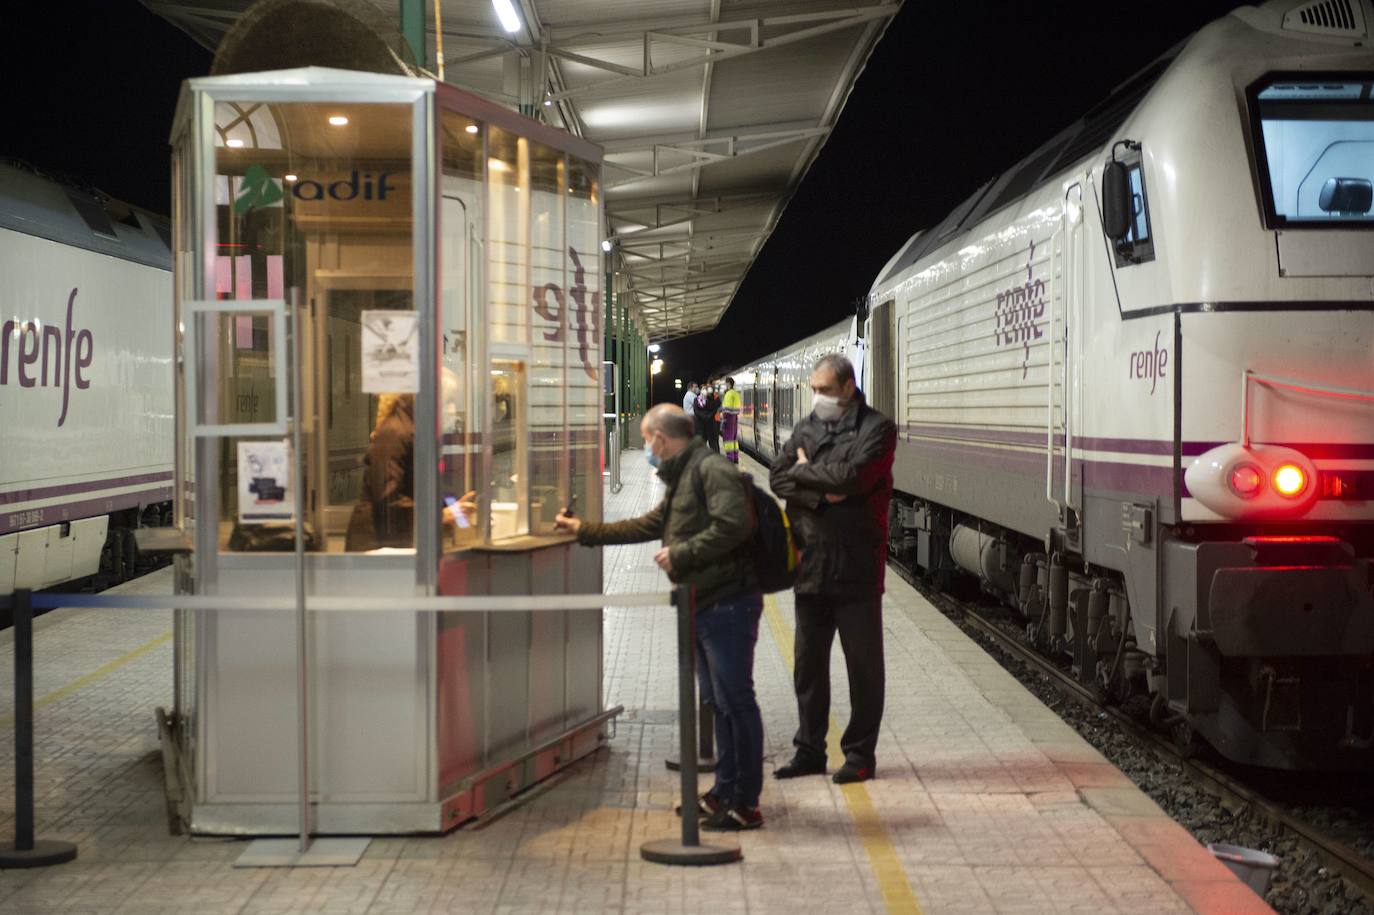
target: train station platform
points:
(984, 802)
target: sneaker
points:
(734, 819)
(852, 772)
(707, 805)
(798, 767)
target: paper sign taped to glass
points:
(265, 482)
(391, 352)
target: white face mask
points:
(827, 407)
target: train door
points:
(775, 446)
(1064, 480)
(882, 385)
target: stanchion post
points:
(26, 851)
(688, 851)
(706, 744)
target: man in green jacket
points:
(705, 522)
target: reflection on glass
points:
(460, 255)
(319, 214)
(548, 334)
(584, 311)
(510, 438)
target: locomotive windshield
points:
(1315, 145)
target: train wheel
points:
(1185, 739)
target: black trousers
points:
(859, 622)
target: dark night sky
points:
(953, 94)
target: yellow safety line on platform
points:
(882, 856)
(7, 721)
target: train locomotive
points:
(85, 363)
(1134, 381)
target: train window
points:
(93, 214)
(1314, 141)
(1138, 245)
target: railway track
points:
(1354, 867)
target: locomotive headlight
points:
(1254, 483)
(1290, 481)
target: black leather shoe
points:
(850, 773)
(799, 767)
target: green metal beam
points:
(413, 27)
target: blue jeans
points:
(726, 633)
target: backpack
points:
(774, 552)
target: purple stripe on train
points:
(67, 489)
(75, 511)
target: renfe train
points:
(1134, 378)
(85, 369)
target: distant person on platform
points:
(689, 400)
(836, 474)
(707, 408)
(704, 521)
(730, 407)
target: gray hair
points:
(671, 420)
(837, 363)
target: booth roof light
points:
(471, 128)
(506, 13)
(290, 177)
(653, 347)
(338, 120)
(605, 244)
(233, 143)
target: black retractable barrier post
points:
(689, 850)
(26, 852)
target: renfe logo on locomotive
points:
(1019, 312)
(1148, 363)
(64, 353)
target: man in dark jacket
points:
(836, 474)
(705, 521)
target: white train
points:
(85, 365)
(1178, 293)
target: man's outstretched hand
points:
(569, 523)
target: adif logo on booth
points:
(257, 190)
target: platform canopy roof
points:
(710, 113)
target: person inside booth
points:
(385, 514)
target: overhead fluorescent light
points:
(510, 20)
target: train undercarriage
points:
(1265, 650)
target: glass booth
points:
(388, 319)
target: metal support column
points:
(413, 27)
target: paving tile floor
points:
(985, 802)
